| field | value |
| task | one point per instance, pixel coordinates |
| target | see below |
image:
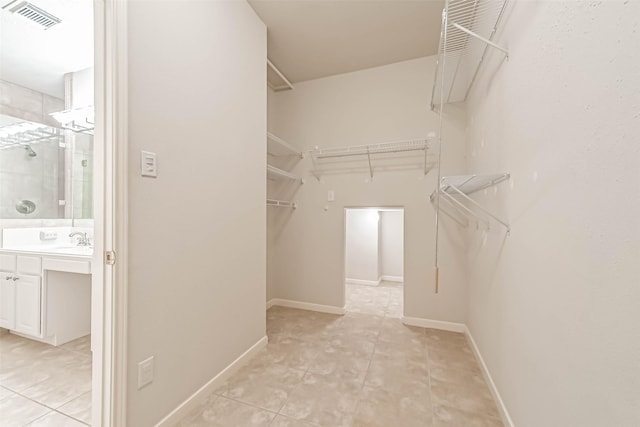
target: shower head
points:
(30, 151)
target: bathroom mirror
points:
(45, 172)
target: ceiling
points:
(38, 58)
(310, 39)
(307, 39)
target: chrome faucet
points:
(83, 239)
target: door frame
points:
(401, 208)
(109, 281)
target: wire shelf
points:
(468, 29)
(469, 184)
(389, 152)
(281, 204)
(455, 190)
(276, 174)
(372, 149)
(278, 147)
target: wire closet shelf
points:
(468, 30)
(281, 203)
(455, 191)
(368, 152)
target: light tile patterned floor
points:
(42, 385)
(362, 369)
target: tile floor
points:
(362, 369)
(42, 385)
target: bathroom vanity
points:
(46, 296)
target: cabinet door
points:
(28, 296)
(7, 301)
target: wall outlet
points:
(48, 235)
(145, 372)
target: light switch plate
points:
(145, 372)
(148, 164)
(331, 196)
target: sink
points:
(63, 250)
(73, 250)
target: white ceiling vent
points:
(35, 14)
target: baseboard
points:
(434, 324)
(306, 306)
(362, 282)
(504, 414)
(399, 279)
(188, 405)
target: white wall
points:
(381, 104)
(392, 239)
(361, 245)
(82, 88)
(197, 97)
(555, 307)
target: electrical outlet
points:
(48, 235)
(145, 372)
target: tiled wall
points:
(27, 104)
(82, 172)
(22, 177)
(37, 179)
(41, 179)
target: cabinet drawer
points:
(29, 265)
(68, 265)
(7, 262)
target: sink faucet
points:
(83, 239)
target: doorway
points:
(374, 261)
(56, 346)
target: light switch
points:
(145, 372)
(148, 164)
(331, 196)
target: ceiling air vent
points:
(35, 14)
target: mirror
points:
(45, 172)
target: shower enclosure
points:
(45, 172)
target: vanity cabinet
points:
(28, 297)
(21, 303)
(45, 297)
(7, 301)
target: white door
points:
(27, 297)
(7, 301)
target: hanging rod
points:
(281, 203)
